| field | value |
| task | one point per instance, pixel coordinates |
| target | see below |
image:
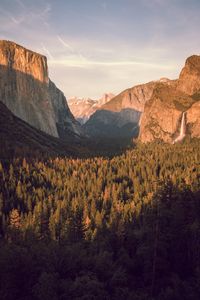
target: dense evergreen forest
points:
(126, 227)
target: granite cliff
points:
(121, 115)
(157, 108)
(133, 98)
(164, 111)
(26, 90)
(189, 79)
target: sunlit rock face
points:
(134, 98)
(121, 115)
(26, 91)
(163, 113)
(189, 79)
(193, 119)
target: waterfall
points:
(182, 129)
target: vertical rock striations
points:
(133, 98)
(65, 122)
(25, 89)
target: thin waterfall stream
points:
(182, 129)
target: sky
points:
(98, 46)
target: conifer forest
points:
(104, 228)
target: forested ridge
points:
(126, 227)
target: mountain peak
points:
(83, 108)
(19, 58)
(189, 79)
(10, 45)
(193, 59)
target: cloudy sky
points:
(97, 46)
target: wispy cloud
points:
(48, 53)
(66, 45)
(17, 21)
(25, 15)
(123, 63)
(20, 3)
(93, 45)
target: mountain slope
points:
(121, 115)
(105, 123)
(134, 98)
(18, 138)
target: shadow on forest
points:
(19, 139)
(154, 256)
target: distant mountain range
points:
(153, 110)
(83, 108)
(120, 117)
(36, 113)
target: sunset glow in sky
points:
(97, 46)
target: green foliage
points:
(126, 227)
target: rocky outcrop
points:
(134, 98)
(193, 120)
(162, 104)
(162, 114)
(189, 79)
(122, 113)
(164, 111)
(26, 90)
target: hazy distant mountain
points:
(83, 108)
